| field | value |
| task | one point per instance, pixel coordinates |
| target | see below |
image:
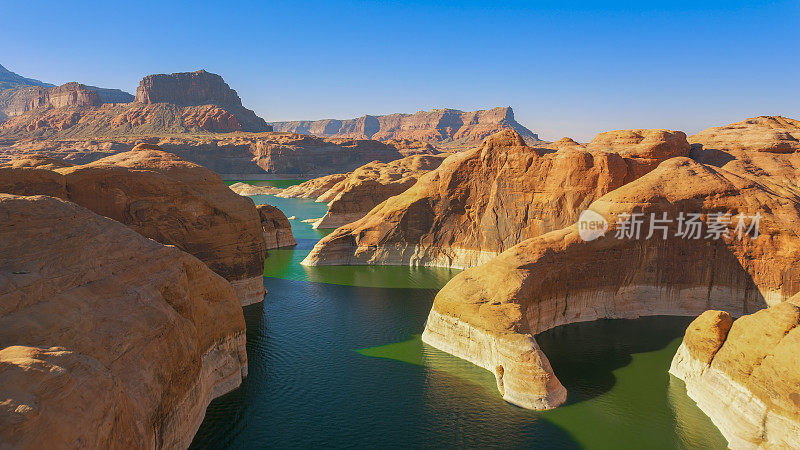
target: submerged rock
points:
(107, 338)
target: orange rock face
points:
(166, 199)
(771, 134)
(313, 188)
(559, 277)
(361, 190)
(276, 227)
(483, 201)
(747, 382)
(107, 338)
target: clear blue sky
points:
(568, 68)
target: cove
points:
(335, 360)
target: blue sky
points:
(568, 68)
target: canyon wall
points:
(490, 314)
(481, 202)
(743, 374)
(447, 128)
(107, 338)
(164, 198)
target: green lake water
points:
(335, 360)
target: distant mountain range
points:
(446, 128)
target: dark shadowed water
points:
(335, 360)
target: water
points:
(336, 360)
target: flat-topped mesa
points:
(107, 339)
(276, 227)
(364, 188)
(743, 374)
(481, 202)
(165, 198)
(187, 89)
(448, 128)
(490, 314)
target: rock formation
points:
(276, 227)
(180, 103)
(18, 101)
(770, 134)
(446, 128)
(107, 338)
(165, 198)
(481, 202)
(187, 89)
(490, 314)
(743, 374)
(361, 190)
(313, 188)
(249, 189)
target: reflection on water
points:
(336, 360)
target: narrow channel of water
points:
(335, 360)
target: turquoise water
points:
(335, 360)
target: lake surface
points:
(335, 360)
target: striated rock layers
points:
(164, 198)
(481, 202)
(107, 338)
(490, 314)
(353, 197)
(276, 227)
(179, 103)
(187, 89)
(446, 128)
(743, 374)
(18, 101)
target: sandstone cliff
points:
(187, 89)
(483, 201)
(14, 102)
(446, 128)
(107, 339)
(179, 103)
(744, 375)
(313, 188)
(361, 190)
(276, 227)
(490, 314)
(164, 198)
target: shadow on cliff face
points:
(584, 361)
